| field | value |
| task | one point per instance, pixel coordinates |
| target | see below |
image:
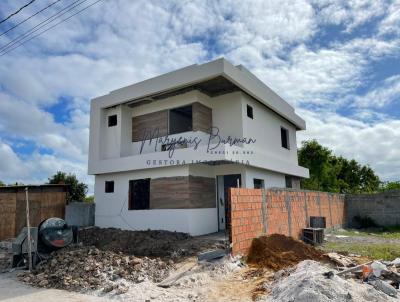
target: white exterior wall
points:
(271, 179)
(110, 139)
(112, 208)
(265, 127)
(117, 141)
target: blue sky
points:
(336, 62)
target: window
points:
(288, 181)
(250, 111)
(181, 120)
(109, 187)
(167, 147)
(112, 120)
(258, 183)
(139, 194)
(285, 138)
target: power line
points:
(23, 21)
(42, 24)
(20, 44)
(17, 11)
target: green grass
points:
(386, 251)
(392, 232)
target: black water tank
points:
(317, 222)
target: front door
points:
(225, 182)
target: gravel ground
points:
(360, 239)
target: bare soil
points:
(279, 251)
(163, 244)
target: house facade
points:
(165, 150)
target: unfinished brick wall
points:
(282, 211)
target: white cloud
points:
(391, 23)
(37, 168)
(313, 77)
(350, 13)
(383, 94)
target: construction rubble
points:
(88, 268)
(159, 266)
(5, 255)
(312, 281)
(319, 276)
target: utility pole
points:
(28, 225)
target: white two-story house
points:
(165, 150)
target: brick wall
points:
(254, 212)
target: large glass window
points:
(180, 120)
(139, 194)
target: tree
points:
(2, 184)
(316, 158)
(77, 190)
(390, 185)
(89, 199)
(334, 173)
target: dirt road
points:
(13, 290)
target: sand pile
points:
(279, 251)
(307, 283)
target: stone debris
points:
(341, 260)
(5, 255)
(88, 268)
(383, 275)
(308, 281)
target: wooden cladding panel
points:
(150, 123)
(169, 193)
(202, 118)
(202, 121)
(7, 215)
(202, 192)
(182, 192)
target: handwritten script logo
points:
(153, 137)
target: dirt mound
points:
(144, 243)
(88, 268)
(279, 251)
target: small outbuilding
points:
(45, 201)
